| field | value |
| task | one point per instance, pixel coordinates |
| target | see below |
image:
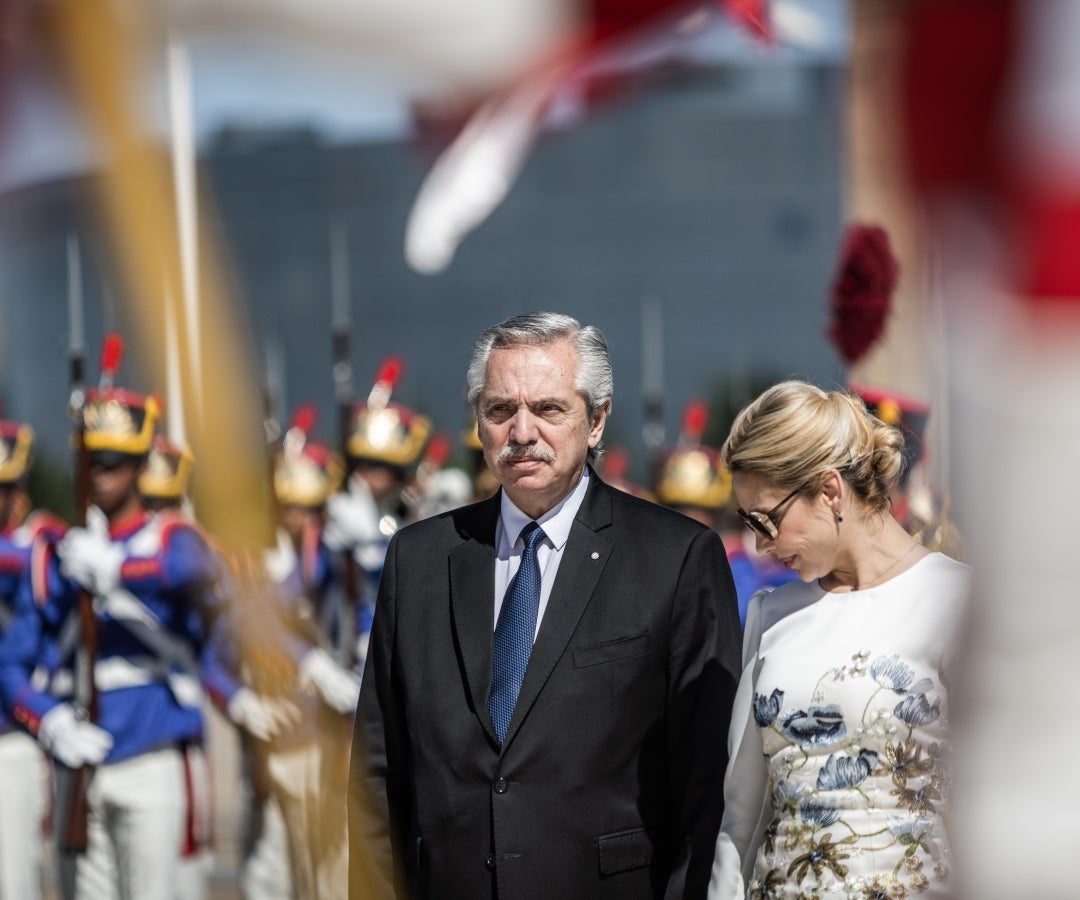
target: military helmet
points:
(690, 473)
(117, 421)
(168, 470)
(306, 471)
(16, 443)
(386, 432)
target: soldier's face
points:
(113, 488)
(294, 518)
(534, 425)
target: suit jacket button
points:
(500, 785)
(490, 862)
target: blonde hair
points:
(794, 432)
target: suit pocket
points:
(624, 850)
(609, 651)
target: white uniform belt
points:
(117, 672)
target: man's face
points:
(114, 487)
(533, 424)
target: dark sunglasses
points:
(767, 524)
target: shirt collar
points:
(556, 522)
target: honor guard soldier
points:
(307, 765)
(382, 447)
(691, 479)
(24, 769)
(437, 487)
(103, 664)
(689, 476)
(163, 485)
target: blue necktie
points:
(514, 633)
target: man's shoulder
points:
(472, 520)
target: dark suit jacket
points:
(610, 783)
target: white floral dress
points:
(839, 742)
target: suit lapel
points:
(472, 592)
(584, 558)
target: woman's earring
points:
(839, 518)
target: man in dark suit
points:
(544, 713)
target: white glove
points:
(91, 559)
(262, 717)
(352, 520)
(281, 561)
(446, 489)
(339, 687)
(71, 741)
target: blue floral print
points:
(814, 727)
(916, 710)
(891, 672)
(766, 709)
(819, 813)
(841, 772)
(832, 764)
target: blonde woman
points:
(837, 782)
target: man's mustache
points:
(518, 452)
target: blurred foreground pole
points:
(102, 54)
(992, 115)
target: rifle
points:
(74, 835)
(341, 346)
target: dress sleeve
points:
(746, 780)
(956, 615)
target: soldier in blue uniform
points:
(383, 447)
(151, 582)
(691, 478)
(24, 769)
(307, 765)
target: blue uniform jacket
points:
(170, 570)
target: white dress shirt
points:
(556, 523)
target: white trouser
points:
(136, 827)
(266, 874)
(312, 795)
(195, 856)
(24, 793)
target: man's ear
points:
(599, 421)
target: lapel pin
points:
(595, 555)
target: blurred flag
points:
(475, 173)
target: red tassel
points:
(112, 349)
(304, 418)
(386, 380)
(390, 372)
(695, 418)
(616, 464)
(438, 451)
(862, 291)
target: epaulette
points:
(171, 521)
(43, 524)
(40, 554)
